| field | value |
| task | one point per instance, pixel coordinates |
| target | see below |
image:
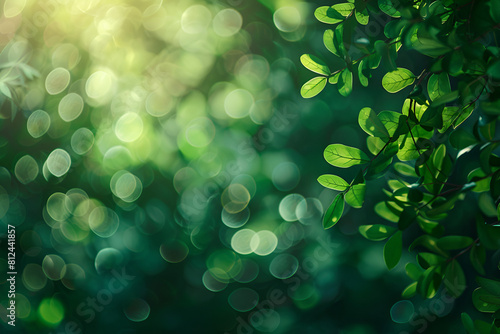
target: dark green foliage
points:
(429, 140)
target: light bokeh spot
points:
(240, 241)
(57, 81)
(99, 85)
(126, 186)
(51, 311)
(70, 107)
(264, 243)
(235, 220)
(38, 123)
(287, 19)
(174, 251)
(137, 310)
(58, 162)
(26, 169)
(33, 277)
(58, 206)
(54, 267)
(196, 19)
(402, 311)
(12, 8)
(82, 141)
(288, 206)
(235, 198)
(129, 127)
(284, 266)
(227, 22)
(103, 221)
(238, 103)
(243, 299)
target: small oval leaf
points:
(313, 87)
(397, 80)
(334, 212)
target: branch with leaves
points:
(424, 143)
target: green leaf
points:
(378, 166)
(485, 156)
(438, 85)
(438, 157)
(382, 209)
(449, 114)
(344, 9)
(494, 70)
(338, 40)
(334, 14)
(410, 291)
(397, 80)
(407, 217)
(345, 82)
(415, 195)
(465, 112)
(488, 130)
(452, 96)
(477, 257)
(333, 182)
(371, 124)
(388, 7)
(495, 10)
(314, 64)
(334, 212)
(478, 297)
(392, 250)
(5, 90)
(363, 73)
(376, 232)
(313, 87)
(344, 156)
(490, 285)
(489, 235)
(480, 179)
(468, 323)
(328, 40)
(428, 242)
(355, 197)
(461, 139)
(328, 15)
(452, 242)
(413, 271)
(487, 205)
(405, 169)
(413, 109)
(454, 279)
(362, 16)
(427, 260)
(334, 79)
(482, 327)
(407, 148)
(430, 227)
(436, 170)
(393, 28)
(388, 55)
(427, 43)
(429, 283)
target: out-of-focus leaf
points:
(376, 232)
(392, 250)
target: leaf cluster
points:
(419, 148)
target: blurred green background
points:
(160, 168)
